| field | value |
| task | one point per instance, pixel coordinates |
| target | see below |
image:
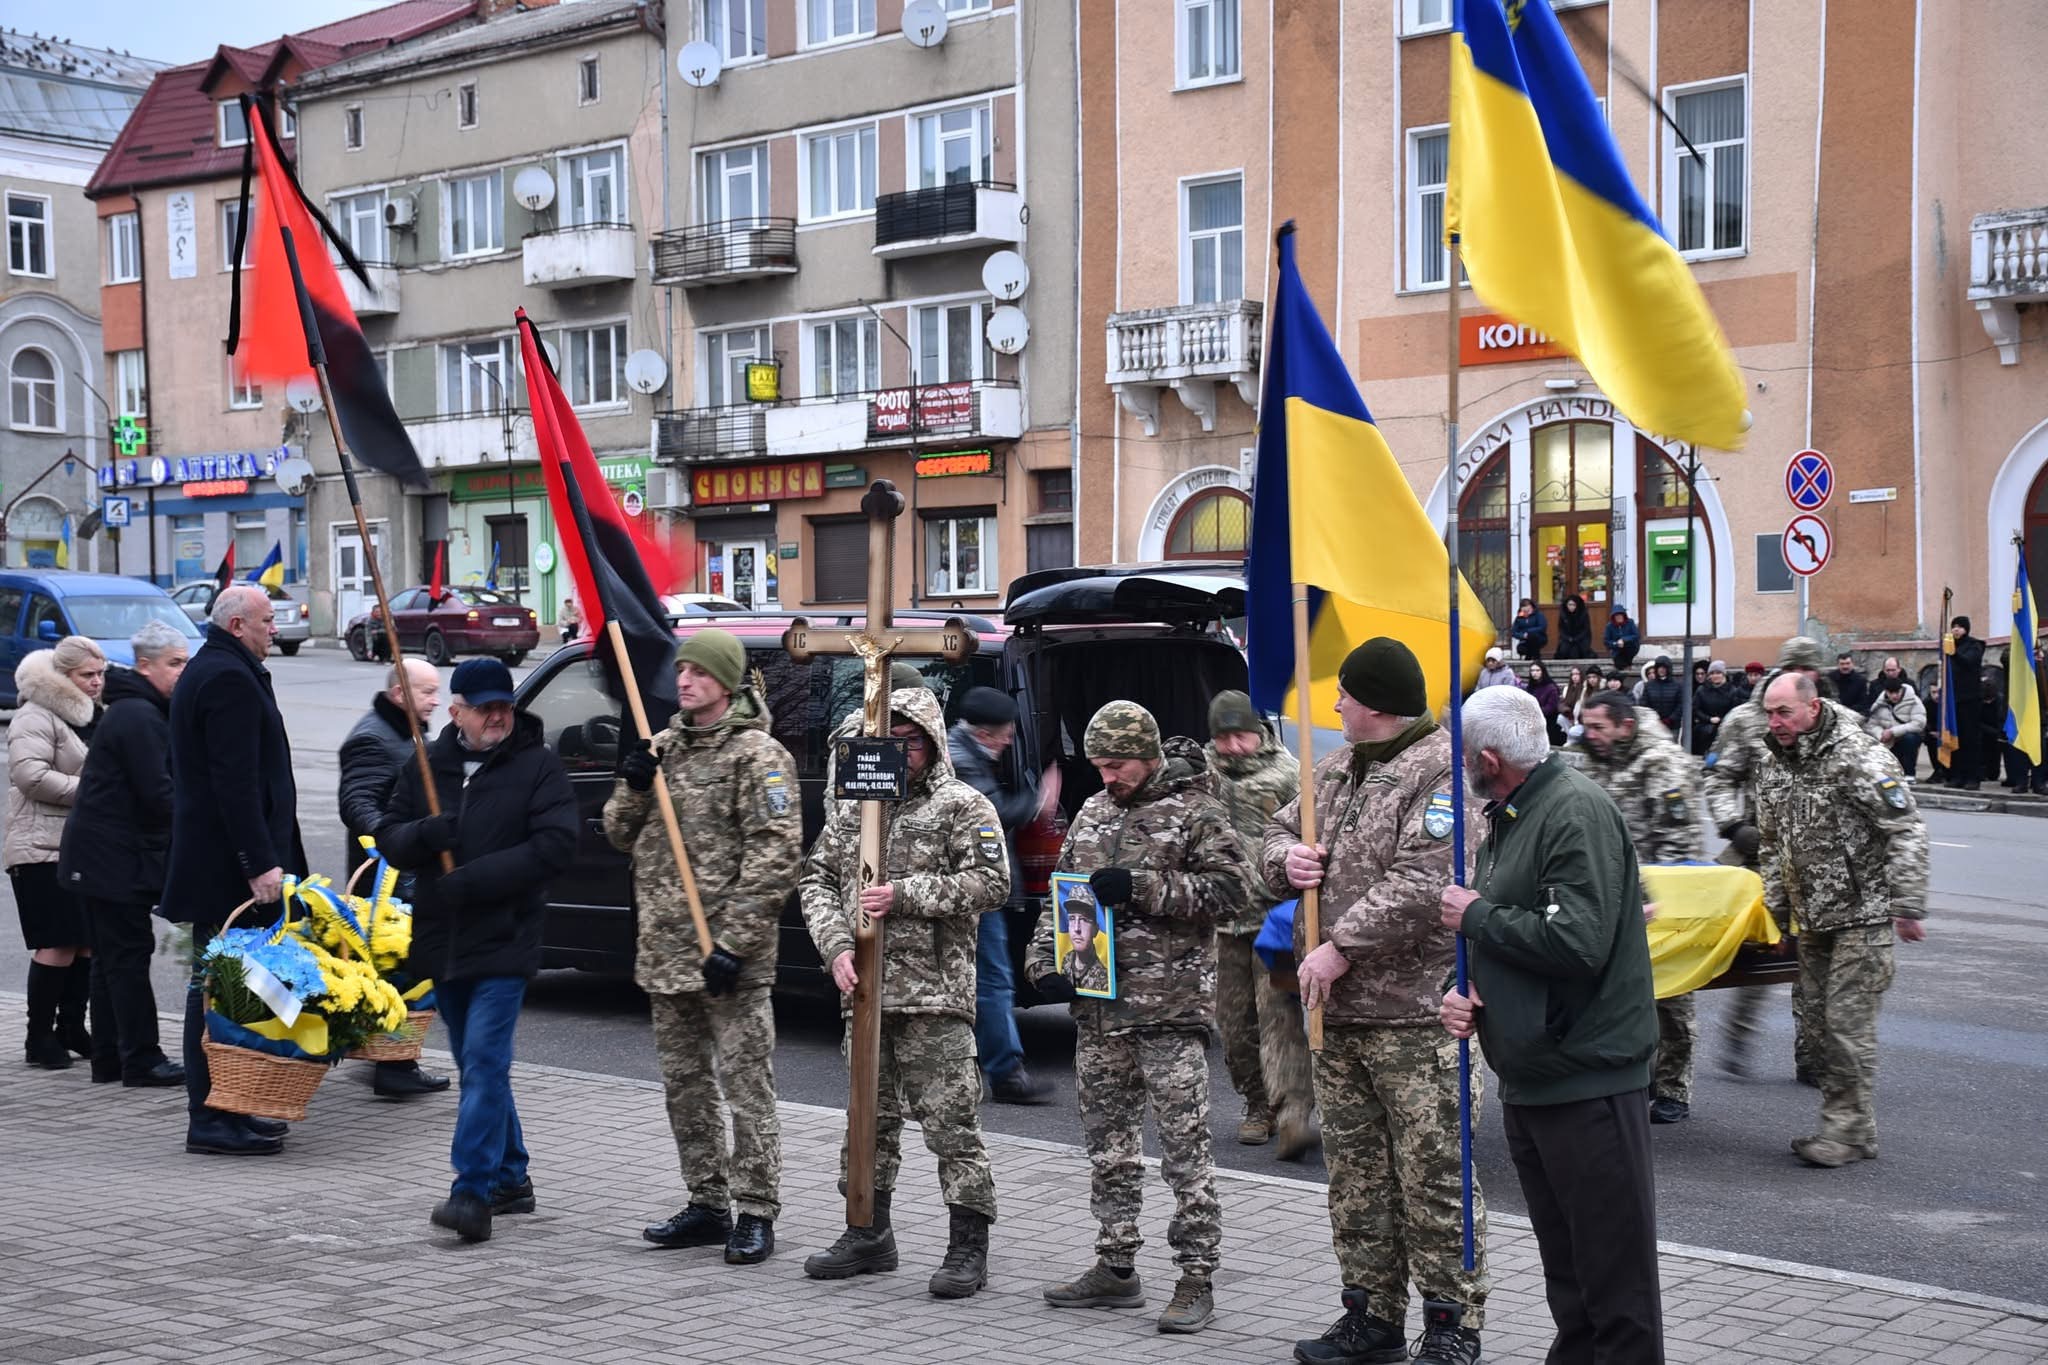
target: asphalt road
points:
(1960, 1198)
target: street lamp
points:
(505, 413)
(916, 444)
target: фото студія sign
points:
(876, 769)
(932, 407)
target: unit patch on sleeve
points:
(777, 788)
(1437, 816)
(989, 840)
(1894, 795)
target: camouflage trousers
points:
(1846, 973)
(1390, 1136)
(928, 1074)
(1678, 1033)
(714, 1047)
(1116, 1075)
(1265, 1042)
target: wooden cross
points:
(873, 646)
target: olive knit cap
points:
(902, 675)
(1803, 651)
(1122, 729)
(1231, 713)
(1383, 674)
(717, 652)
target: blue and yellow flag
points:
(1555, 236)
(1948, 737)
(270, 573)
(1331, 509)
(2022, 693)
(64, 543)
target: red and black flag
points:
(619, 572)
(434, 581)
(267, 337)
(225, 574)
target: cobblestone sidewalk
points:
(119, 1247)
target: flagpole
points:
(1304, 738)
(1457, 738)
(316, 355)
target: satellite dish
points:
(699, 63)
(1008, 329)
(534, 188)
(924, 23)
(302, 391)
(1006, 276)
(646, 371)
(294, 475)
(554, 356)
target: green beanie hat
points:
(1231, 712)
(903, 675)
(1382, 673)
(717, 652)
(1122, 729)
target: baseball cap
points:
(479, 682)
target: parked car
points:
(294, 621)
(39, 607)
(463, 620)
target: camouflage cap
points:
(1803, 651)
(1232, 712)
(903, 675)
(1122, 729)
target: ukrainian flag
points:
(1555, 236)
(1331, 509)
(270, 573)
(2022, 697)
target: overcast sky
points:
(174, 31)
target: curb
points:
(1982, 805)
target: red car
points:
(464, 621)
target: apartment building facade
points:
(1854, 201)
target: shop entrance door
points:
(1571, 519)
(746, 573)
(1573, 557)
(352, 591)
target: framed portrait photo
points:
(1084, 937)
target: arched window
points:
(1483, 532)
(1216, 524)
(2036, 531)
(32, 390)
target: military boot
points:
(859, 1251)
(1445, 1338)
(1296, 1131)
(965, 1268)
(1255, 1129)
(1357, 1338)
(1098, 1287)
(695, 1226)
(1829, 1152)
(1192, 1307)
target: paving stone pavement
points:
(120, 1247)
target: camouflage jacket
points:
(946, 857)
(735, 794)
(1652, 780)
(1251, 789)
(1843, 841)
(1387, 826)
(1738, 750)
(1188, 873)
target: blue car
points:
(39, 607)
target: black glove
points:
(448, 890)
(1055, 989)
(639, 765)
(1111, 885)
(438, 832)
(1747, 839)
(722, 972)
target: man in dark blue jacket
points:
(234, 825)
(1621, 638)
(508, 822)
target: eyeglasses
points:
(920, 740)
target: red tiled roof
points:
(170, 138)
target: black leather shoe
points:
(162, 1072)
(752, 1240)
(1019, 1087)
(1664, 1110)
(465, 1215)
(268, 1128)
(223, 1137)
(403, 1080)
(49, 1053)
(512, 1199)
(107, 1072)
(695, 1226)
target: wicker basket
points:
(403, 1043)
(260, 1084)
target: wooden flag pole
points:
(662, 799)
(1457, 736)
(1304, 735)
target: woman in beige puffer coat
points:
(59, 691)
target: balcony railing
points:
(699, 435)
(464, 439)
(2008, 267)
(725, 253)
(934, 414)
(586, 253)
(380, 298)
(953, 217)
(1190, 349)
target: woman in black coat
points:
(1574, 629)
(1530, 631)
(112, 858)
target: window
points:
(959, 554)
(465, 105)
(41, 608)
(352, 127)
(1055, 490)
(234, 123)
(243, 392)
(32, 391)
(1211, 525)
(1425, 16)
(1773, 574)
(476, 215)
(967, 6)
(252, 539)
(578, 717)
(1429, 258)
(737, 28)
(594, 364)
(733, 183)
(124, 249)
(593, 185)
(287, 121)
(131, 397)
(950, 343)
(832, 21)
(586, 81)
(1208, 33)
(28, 234)
(842, 178)
(953, 147)
(360, 220)
(726, 355)
(845, 356)
(475, 376)
(1212, 255)
(230, 230)
(839, 559)
(1706, 198)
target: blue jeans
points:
(489, 1151)
(996, 1044)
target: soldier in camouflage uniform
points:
(1387, 1078)
(1159, 851)
(946, 864)
(1631, 754)
(734, 790)
(1265, 1046)
(1844, 854)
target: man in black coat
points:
(376, 751)
(1851, 686)
(1966, 676)
(508, 821)
(234, 825)
(112, 858)
(1664, 694)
